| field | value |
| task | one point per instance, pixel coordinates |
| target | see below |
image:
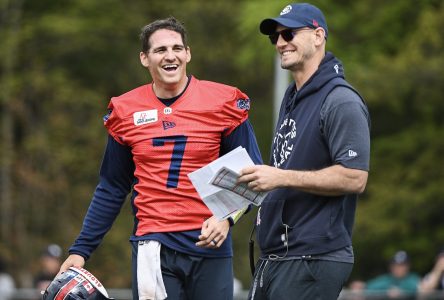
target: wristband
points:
(234, 217)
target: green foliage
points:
(404, 200)
(61, 61)
(403, 205)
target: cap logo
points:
(315, 23)
(286, 10)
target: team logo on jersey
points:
(243, 104)
(106, 117)
(168, 125)
(167, 110)
(145, 117)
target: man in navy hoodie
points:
(319, 164)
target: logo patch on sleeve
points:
(352, 153)
(145, 117)
(106, 117)
(243, 104)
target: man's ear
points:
(188, 54)
(144, 59)
(320, 35)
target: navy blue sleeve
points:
(243, 136)
(116, 180)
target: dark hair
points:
(170, 23)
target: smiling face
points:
(166, 60)
(297, 51)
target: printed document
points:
(216, 184)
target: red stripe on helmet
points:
(66, 289)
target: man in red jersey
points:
(159, 133)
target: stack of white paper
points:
(217, 185)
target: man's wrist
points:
(234, 217)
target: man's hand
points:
(73, 260)
(439, 266)
(262, 178)
(214, 232)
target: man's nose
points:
(170, 54)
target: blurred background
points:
(61, 61)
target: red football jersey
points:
(168, 142)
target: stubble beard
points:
(297, 64)
(292, 66)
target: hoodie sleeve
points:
(345, 122)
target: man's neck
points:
(303, 74)
(168, 90)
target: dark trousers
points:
(188, 277)
(299, 280)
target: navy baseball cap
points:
(52, 250)
(400, 257)
(296, 15)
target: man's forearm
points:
(331, 181)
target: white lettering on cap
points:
(286, 10)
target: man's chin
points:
(286, 66)
(291, 66)
(171, 79)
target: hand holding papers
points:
(224, 196)
(227, 179)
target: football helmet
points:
(75, 284)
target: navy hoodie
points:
(309, 224)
